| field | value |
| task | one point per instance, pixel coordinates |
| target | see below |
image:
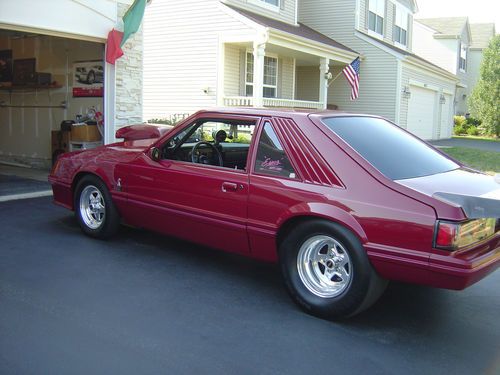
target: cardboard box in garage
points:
(85, 133)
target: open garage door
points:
(421, 112)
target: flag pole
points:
(334, 78)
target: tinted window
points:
(388, 148)
(271, 158)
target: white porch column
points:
(259, 51)
(324, 68)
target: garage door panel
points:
(421, 112)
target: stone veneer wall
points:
(128, 68)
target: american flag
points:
(351, 72)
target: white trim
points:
(310, 47)
(265, 5)
(296, 11)
(448, 92)
(294, 77)
(272, 56)
(61, 34)
(423, 85)
(357, 21)
(109, 103)
(37, 194)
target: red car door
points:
(201, 203)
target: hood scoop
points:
(474, 207)
(142, 131)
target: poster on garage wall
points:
(88, 79)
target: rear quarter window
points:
(395, 153)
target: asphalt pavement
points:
(147, 304)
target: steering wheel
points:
(203, 159)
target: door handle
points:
(229, 186)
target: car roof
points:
(281, 112)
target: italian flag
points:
(131, 23)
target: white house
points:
(394, 81)
(446, 42)
(278, 53)
(52, 36)
(204, 53)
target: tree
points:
(485, 98)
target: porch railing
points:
(247, 101)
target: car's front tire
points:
(94, 209)
(327, 271)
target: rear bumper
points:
(464, 269)
(445, 270)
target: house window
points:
(462, 64)
(401, 27)
(273, 5)
(272, 2)
(270, 89)
(376, 11)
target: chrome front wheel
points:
(92, 207)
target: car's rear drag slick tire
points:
(94, 209)
(326, 270)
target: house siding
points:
(286, 11)
(414, 74)
(378, 71)
(286, 78)
(181, 46)
(307, 83)
(232, 66)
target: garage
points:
(51, 96)
(421, 112)
(57, 93)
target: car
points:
(343, 202)
(95, 74)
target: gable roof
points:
(446, 26)
(481, 34)
(299, 30)
(409, 54)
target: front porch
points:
(277, 65)
(270, 75)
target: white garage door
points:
(421, 109)
(446, 125)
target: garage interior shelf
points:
(10, 89)
(29, 87)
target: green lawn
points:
(488, 161)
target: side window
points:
(222, 143)
(271, 157)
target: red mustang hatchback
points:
(343, 202)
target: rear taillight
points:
(453, 236)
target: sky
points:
(478, 11)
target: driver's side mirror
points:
(155, 154)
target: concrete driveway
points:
(468, 143)
(147, 304)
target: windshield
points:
(395, 153)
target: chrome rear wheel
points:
(324, 266)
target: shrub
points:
(459, 130)
(473, 130)
(473, 121)
(459, 120)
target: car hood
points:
(476, 193)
